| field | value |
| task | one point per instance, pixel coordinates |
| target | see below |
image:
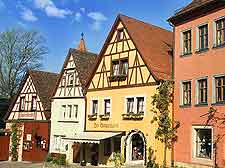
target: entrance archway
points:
(135, 147)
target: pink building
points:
(199, 72)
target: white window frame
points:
(75, 111)
(63, 110)
(197, 35)
(181, 91)
(214, 87)
(197, 89)
(214, 30)
(57, 142)
(135, 103)
(194, 150)
(91, 106)
(182, 40)
(103, 105)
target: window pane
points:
(94, 106)
(204, 143)
(107, 106)
(130, 105)
(124, 68)
(140, 105)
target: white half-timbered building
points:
(68, 102)
(31, 108)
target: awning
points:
(91, 137)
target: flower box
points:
(133, 116)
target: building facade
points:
(199, 31)
(133, 61)
(68, 103)
(31, 109)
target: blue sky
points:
(62, 21)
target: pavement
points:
(10, 164)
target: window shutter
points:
(181, 43)
(181, 93)
(214, 33)
(214, 90)
(197, 91)
(197, 39)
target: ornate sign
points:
(106, 125)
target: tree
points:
(20, 50)
(167, 129)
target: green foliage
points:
(58, 160)
(152, 159)
(14, 140)
(117, 159)
(48, 158)
(166, 131)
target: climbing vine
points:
(14, 140)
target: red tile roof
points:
(153, 43)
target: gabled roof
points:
(153, 43)
(44, 83)
(84, 64)
(195, 6)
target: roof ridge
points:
(41, 71)
(88, 52)
(146, 23)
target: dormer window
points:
(115, 68)
(70, 80)
(120, 34)
(34, 103)
(22, 103)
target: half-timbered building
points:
(68, 102)
(134, 59)
(31, 109)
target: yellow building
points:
(134, 59)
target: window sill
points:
(202, 50)
(104, 116)
(201, 105)
(117, 78)
(185, 106)
(186, 55)
(133, 116)
(202, 160)
(68, 121)
(219, 46)
(92, 116)
(219, 103)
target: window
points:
(22, 103)
(75, 109)
(57, 142)
(94, 107)
(115, 68)
(220, 32)
(203, 143)
(124, 67)
(187, 42)
(130, 105)
(120, 34)
(34, 103)
(64, 111)
(107, 106)
(186, 93)
(107, 147)
(203, 37)
(70, 79)
(120, 67)
(70, 111)
(220, 89)
(202, 91)
(63, 82)
(140, 104)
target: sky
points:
(61, 22)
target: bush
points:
(59, 159)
